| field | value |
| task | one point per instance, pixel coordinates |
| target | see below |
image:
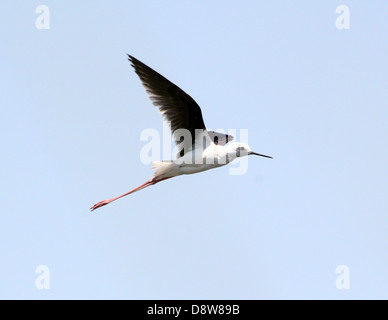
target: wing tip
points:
(132, 60)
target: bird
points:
(200, 149)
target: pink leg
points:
(146, 184)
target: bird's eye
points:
(238, 151)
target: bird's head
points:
(238, 149)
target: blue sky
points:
(72, 109)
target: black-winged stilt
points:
(204, 149)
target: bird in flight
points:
(200, 149)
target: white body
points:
(197, 160)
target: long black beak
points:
(258, 154)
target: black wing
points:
(176, 106)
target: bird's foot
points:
(100, 204)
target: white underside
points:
(212, 157)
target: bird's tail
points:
(161, 167)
